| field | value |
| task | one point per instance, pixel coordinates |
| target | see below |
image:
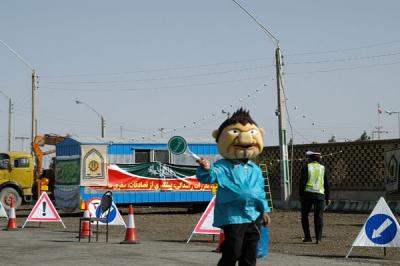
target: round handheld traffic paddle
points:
(177, 145)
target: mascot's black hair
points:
(241, 116)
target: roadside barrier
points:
(130, 235)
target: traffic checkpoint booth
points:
(136, 173)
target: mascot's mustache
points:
(243, 154)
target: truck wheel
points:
(7, 194)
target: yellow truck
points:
(17, 173)
(22, 176)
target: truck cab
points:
(16, 178)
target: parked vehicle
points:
(22, 176)
(16, 178)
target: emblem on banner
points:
(94, 165)
(92, 160)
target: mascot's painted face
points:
(238, 141)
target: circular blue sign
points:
(381, 229)
(111, 215)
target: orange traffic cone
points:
(12, 220)
(220, 241)
(85, 230)
(130, 235)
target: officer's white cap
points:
(309, 153)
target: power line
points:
(220, 63)
(343, 68)
(157, 88)
(158, 69)
(95, 83)
(344, 59)
(160, 78)
(344, 49)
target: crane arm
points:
(40, 141)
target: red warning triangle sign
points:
(205, 224)
(43, 211)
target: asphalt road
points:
(163, 232)
(57, 246)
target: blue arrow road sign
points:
(111, 215)
(381, 229)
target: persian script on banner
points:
(154, 176)
(94, 165)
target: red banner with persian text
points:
(119, 179)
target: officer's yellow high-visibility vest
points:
(315, 182)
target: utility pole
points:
(9, 120)
(9, 123)
(34, 118)
(161, 132)
(103, 126)
(284, 166)
(379, 127)
(286, 188)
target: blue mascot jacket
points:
(240, 196)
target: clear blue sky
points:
(146, 65)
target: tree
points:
(364, 137)
(332, 139)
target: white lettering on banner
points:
(162, 171)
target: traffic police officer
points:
(314, 191)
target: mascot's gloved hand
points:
(204, 163)
(266, 219)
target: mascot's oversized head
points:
(239, 137)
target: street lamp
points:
(97, 113)
(34, 90)
(9, 119)
(398, 117)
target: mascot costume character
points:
(241, 206)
